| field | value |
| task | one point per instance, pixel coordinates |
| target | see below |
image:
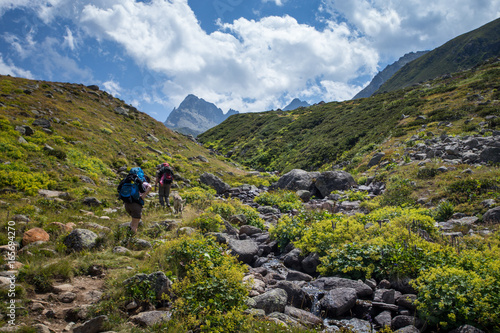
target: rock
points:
(39, 328)
(274, 300)
(310, 263)
(296, 180)
(490, 154)
(408, 329)
(121, 110)
(492, 215)
(80, 239)
(93, 325)
(45, 123)
(338, 301)
(407, 301)
(150, 318)
(384, 318)
(92, 202)
(330, 181)
(403, 321)
(328, 283)
(35, 235)
(297, 297)
(376, 159)
(384, 296)
(293, 260)
(62, 288)
(67, 297)
(298, 276)
(214, 182)
(249, 230)
(356, 325)
(245, 250)
(304, 195)
(466, 329)
(304, 317)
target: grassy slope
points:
(321, 135)
(460, 53)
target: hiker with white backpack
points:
(164, 178)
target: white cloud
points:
(398, 27)
(112, 87)
(69, 40)
(10, 69)
(246, 65)
(277, 2)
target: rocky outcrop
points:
(214, 182)
(80, 239)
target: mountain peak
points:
(195, 115)
(294, 104)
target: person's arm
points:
(147, 188)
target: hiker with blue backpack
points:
(132, 190)
(164, 177)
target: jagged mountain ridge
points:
(294, 104)
(460, 53)
(387, 73)
(195, 115)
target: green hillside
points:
(323, 135)
(461, 53)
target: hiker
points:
(164, 177)
(132, 190)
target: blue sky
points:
(246, 55)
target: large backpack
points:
(166, 175)
(128, 189)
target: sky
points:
(247, 55)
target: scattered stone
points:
(35, 235)
(150, 318)
(80, 239)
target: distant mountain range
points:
(387, 73)
(195, 115)
(296, 103)
(461, 53)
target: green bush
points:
(398, 192)
(284, 200)
(288, 229)
(444, 211)
(449, 297)
(209, 222)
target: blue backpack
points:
(128, 189)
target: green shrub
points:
(284, 200)
(444, 211)
(398, 192)
(449, 297)
(288, 229)
(209, 222)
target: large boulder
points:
(492, 215)
(330, 181)
(338, 301)
(80, 239)
(490, 154)
(214, 182)
(245, 250)
(150, 318)
(304, 317)
(328, 283)
(297, 297)
(272, 301)
(297, 180)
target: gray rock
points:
(407, 301)
(121, 110)
(304, 195)
(45, 123)
(403, 321)
(245, 250)
(214, 182)
(249, 230)
(384, 296)
(328, 283)
(80, 239)
(150, 318)
(274, 300)
(296, 180)
(356, 325)
(293, 260)
(310, 263)
(297, 297)
(376, 159)
(338, 301)
(298, 276)
(93, 325)
(466, 329)
(492, 215)
(330, 181)
(306, 318)
(408, 329)
(92, 202)
(490, 154)
(67, 297)
(384, 318)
